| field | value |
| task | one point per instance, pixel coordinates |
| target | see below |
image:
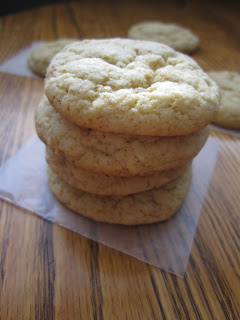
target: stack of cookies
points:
(122, 120)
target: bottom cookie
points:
(146, 207)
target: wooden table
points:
(48, 272)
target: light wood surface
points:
(47, 272)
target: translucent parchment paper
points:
(167, 245)
(18, 64)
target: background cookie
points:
(145, 207)
(130, 86)
(41, 56)
(173, 35)
(105, 185)
(229, 112)
(114, 154)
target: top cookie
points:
(41, 56)
(131, 86)
(229, 113)
(173, 35)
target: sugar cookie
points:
(41, 56)
(114, 154)
(173, 35)
(229, 112)
(104, 185)
(131, 87)
(145, 207)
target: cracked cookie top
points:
(131, 86)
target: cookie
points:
(114, 154)
(140, 208)
(104, 185)
(131, 87)
(173, 35)
(41, 56)
(229, 112)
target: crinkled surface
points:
(130, 86)
(173, 35)
(104, 185)
(229, 112)
(41, 56)
(114, 154)
(140, 208)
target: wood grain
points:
(47, 272)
